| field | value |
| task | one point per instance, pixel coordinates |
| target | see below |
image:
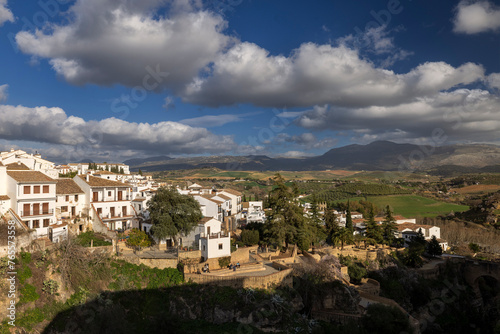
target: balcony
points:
(33, 213)
(111, 199)
(118, 216)
(214, 235)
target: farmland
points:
(414, 206)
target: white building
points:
(210, 206)
(32, 197)
(34, 162)
(109, 201)
(212, 241)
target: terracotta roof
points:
(245, 205)
(4, 197)
(139, 199)
(104, 172)
(232, 191)
(30, 177)
(1, 164)
(211, 198)
(97, 182)
(413, 227)
(17, 166)
(224, 197)
(205, 220)
(67, 186)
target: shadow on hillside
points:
(189, 308)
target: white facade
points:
(109, 201)
(33, 198)
(212, 242)
(213, 207)
(34, 162)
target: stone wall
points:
(159, 263)
(255, 282)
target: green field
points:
(411, 206)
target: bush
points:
(24, 273)
(385, 319)
(250, 237)
(138, 239)
(50, 286)
(84, 239)
(356, 272)
(28, 294)
(224, 261)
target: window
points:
(203, 247)
(36, 189)
(67, 198)
(27, 190)
(109, 193)
(36, 223)
(45, 189)
(76, 198)
(46, 222)
(220, 246)
(64, 209)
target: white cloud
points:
(474, 17)
(462, 114)
(210, 121)
(296, 154)
(108, 42)
(5, 13)
(3, 92)
(53, 126)
(493, 80)
(319, 74)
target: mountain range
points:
(378, 155)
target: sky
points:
(110, 80)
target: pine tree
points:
(332, 226)
(373, 230)
(140, 172)
(434, 248)
(348, 222)
(389, 226)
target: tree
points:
(173, 214)
(315, 222)
(138, 239)
(250, 237)
(385, 319)
(244, 199)
(474, 248)
(373, 230)
(348, 219)
(434, 248)
(286, 217)
(345, 236)
(332, 226)
(389, 226)
(140, 172)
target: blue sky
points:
(114, 79)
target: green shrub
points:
(50, 286)
(250, 237)
(24, 273)
(78, 298)
(224, 261)
(84, 239)
(28, 294)
(356, 272)
(29, 318)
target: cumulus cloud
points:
(3, 92)
(474, 17)
(210, 121)
(493, 80)
(319, 74)
(53, 126)
(462, 114)
(5, 13)
(110, 42)
(296, 154)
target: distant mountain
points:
(86, 161)
(139, 161)
(379, 155)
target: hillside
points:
(379, 155)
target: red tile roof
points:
(99, 182)
(30, 177)
(17, 166)
(67, 186)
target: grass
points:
(411, 206)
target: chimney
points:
(87, 178)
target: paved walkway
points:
(269, 270)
